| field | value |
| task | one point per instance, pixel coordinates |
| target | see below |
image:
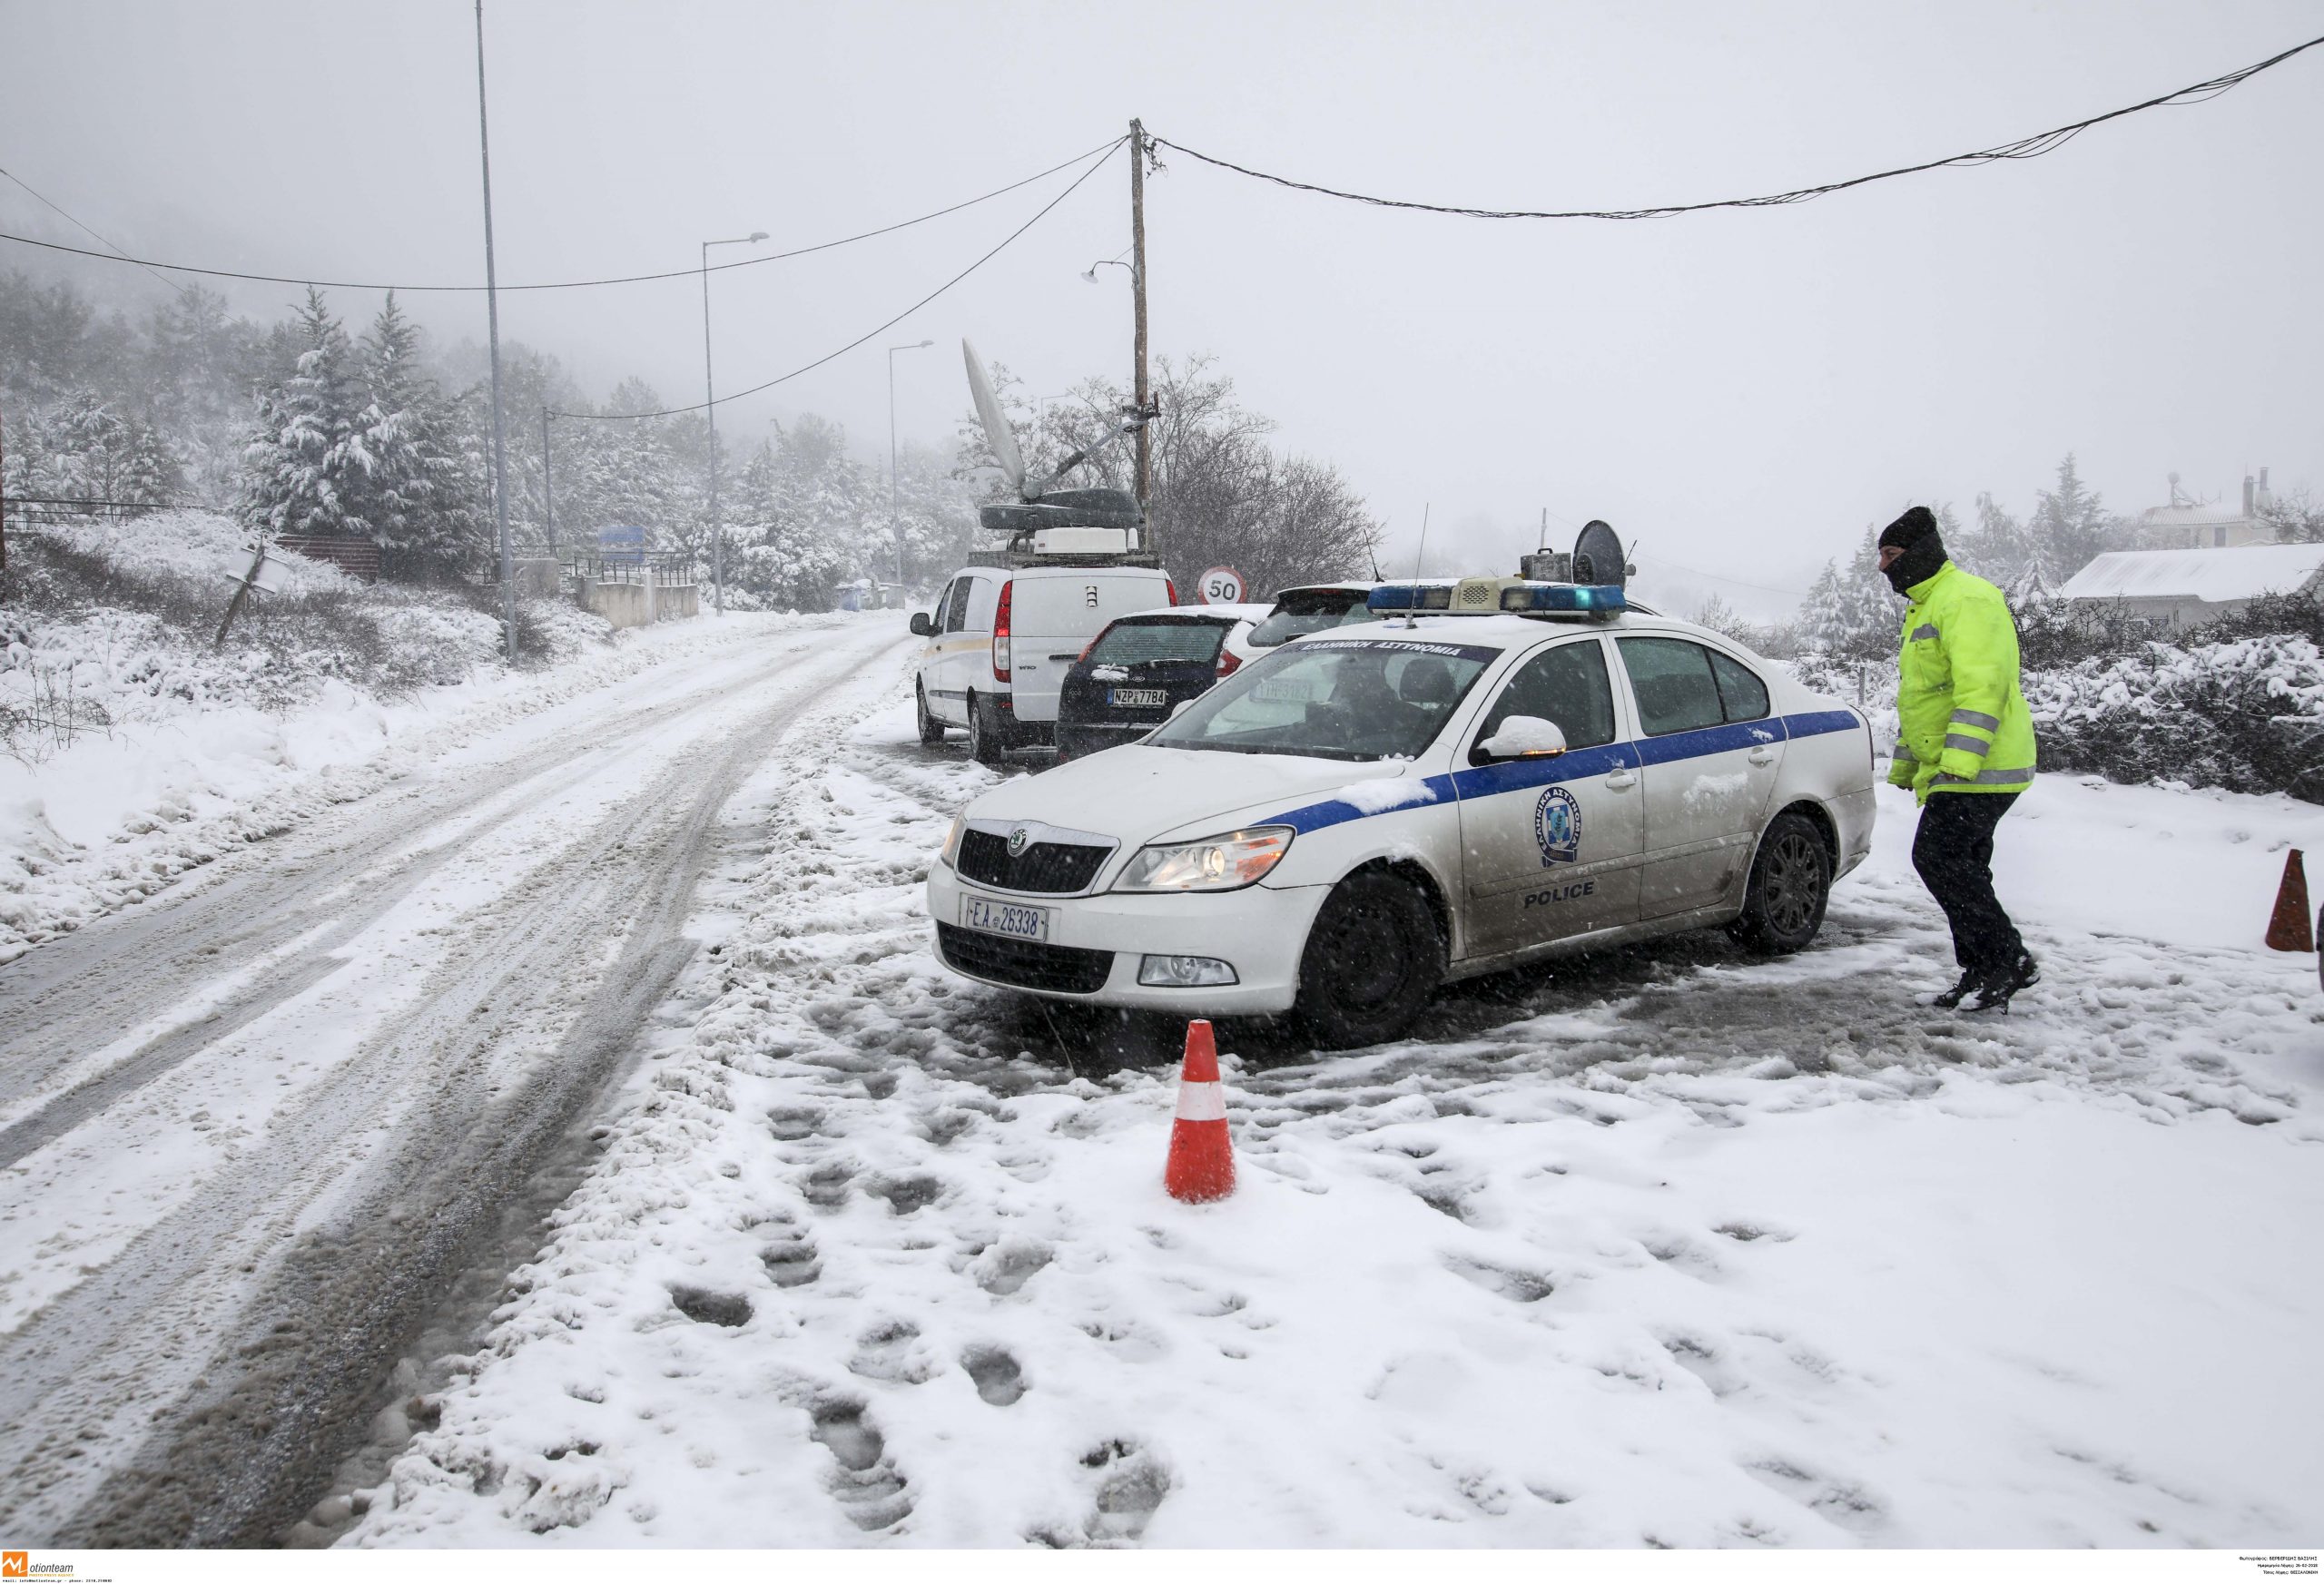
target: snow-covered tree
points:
(304, 464)
(1851, 611)
(2069, 527)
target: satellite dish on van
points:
(1598, 556)
(1005, 451)
(997, 432)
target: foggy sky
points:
(1740, 392)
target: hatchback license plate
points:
(1138, 698)
(1009, 919)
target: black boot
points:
(1993, 994)
(1952, 997)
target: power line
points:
(92, 230)
(118, 256)
(2025, 148)
(1095, 167)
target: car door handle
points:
(1620, 781)
(1762, 755)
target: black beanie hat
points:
(1915, 535)
(1916, 523)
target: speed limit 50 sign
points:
(1221, 585)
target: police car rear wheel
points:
(1791, 880)
(931, 730)
(1372, 960)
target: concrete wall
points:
(624, 604)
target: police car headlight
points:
(952, 840)
(1215, 863)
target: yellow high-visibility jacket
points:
(1960, 717)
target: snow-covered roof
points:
(2242, 572)
(2192, 517)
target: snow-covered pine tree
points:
(302, 458)
(1851, 613)
(418, 494)
(2069, 526)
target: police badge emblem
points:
(1557, 826)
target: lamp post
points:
(709, 413)
(895, 515)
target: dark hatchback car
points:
(1141, 668)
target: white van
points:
(1001, 639)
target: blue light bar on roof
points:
(1563, 598)
(1411, 597)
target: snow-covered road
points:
(251, 1128)
(1670, 1248)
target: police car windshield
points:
(1334, 698)
(1302, 611)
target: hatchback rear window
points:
(1311, 610)
(1147, 643)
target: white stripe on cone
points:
(1202, 1102)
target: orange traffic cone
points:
(1202, 1156)
(2288, 929)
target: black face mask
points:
(1920, 561)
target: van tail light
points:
(1172, 589)
(1000, 633)
(1227, 661)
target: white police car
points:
(1365, 813)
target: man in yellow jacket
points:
(1966, 748)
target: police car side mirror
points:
(922, 624)
(1519, 737)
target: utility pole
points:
(895, 515)
(548, 491)
(710, 412)
(492, 320)
(1143, 393)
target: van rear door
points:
(1054, 613)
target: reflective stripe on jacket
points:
(1961, 716)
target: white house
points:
(2188, 587)
(2221, 527)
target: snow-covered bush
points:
(2237, 714)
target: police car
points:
(1368, 811)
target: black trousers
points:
(1954, 851)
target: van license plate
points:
(1138, 698)
(1008, 919)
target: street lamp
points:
(895, 515)
(710, 412)
(1090, 274)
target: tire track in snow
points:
(155, 972)
(367, 1196)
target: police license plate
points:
(1138, 698)
(1290, 691)
(1010, 918)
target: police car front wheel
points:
(1791, 879)
(1373, 960)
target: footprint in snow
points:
(1000, 1379)
(870, 1490)
(1006, 1266)
(891, 1350)
(705, 1307)
(1130, 1484)
(791, 1261)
